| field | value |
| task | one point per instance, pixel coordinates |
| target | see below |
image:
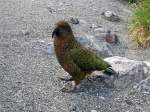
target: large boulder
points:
(144, 86)
(147, 69)
(130, 71)
(90, 42)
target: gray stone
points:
(110, 16)
(130, 71)
(147, 68)
(25, 32)
(144, 86)
(99, 30)
(89, 41)
(93, 110)
(83, 22)
(50, 48)
(74, 20)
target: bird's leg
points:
(66, 79)
(75, 86)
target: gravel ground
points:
(29, 76)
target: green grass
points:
(140, 24)
(132, 1)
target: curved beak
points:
(55, 32)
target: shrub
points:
(132, 1)
(140, 23)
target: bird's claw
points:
(66, 90)
(66, 79)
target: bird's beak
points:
(55, 32)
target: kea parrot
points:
(78, 61)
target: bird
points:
(111, 38)
(78, 61)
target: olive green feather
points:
(88, 60)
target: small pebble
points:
(41, 41)
(74, 20)
(25, 32)
(101, 97)
(50, 9)
(82, 21)
(50, 48)
(94, 26)
(99, 30)
(93, 110)
(129, 102)
(61, 3)
(111, 38)
(110, 16)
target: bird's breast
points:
(61, 50)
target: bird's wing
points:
(88, 60)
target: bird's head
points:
(62, 29)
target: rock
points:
(147, 68)
(129, 102)
(51, 10)
(73, 109)
(102, 49)
(50, 48)
(61, 4)
(144, 86)
(93, 26)
(25, 32)
(74, 20)
(130, 71)
(101, 97)
(41, 41)
(82, 22)
(93, 110)
(110, 16)
(111, 38)
(100, 30)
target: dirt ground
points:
(29, 76)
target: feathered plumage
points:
(78, 61)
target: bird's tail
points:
(110, 71)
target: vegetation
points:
(140, 24)
(132, 1)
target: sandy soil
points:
(29, 76)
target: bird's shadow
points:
(95, 87)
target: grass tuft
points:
(140, 23)
(132, 1)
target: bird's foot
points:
(66, 79)
(66, 90)
(73, 89)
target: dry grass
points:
(140, 24)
